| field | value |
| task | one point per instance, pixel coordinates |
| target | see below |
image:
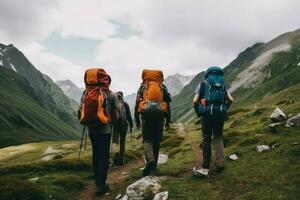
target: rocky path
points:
(115, 177)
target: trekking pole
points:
(85, 138)
(131, 139)
(81, 143)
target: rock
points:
(293, 121)
(278, 115)
(161, 196)
(233, 157)
(258, 135)
(262, 148)
(136, 190)
(33, 180)
(162, 158)
(69, 146)
(51, 150)
(52, 157)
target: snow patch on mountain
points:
(13, 67)
(175, 83)
(1, 62)
(254, 74)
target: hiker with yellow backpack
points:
(211, 103)
(98, 111)
(152, 105)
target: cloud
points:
(174, 35)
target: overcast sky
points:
(64, 37)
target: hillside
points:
(248, 177)
(257, 72)
(70, 89)
(23, 119)
(49, 94)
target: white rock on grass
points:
(293, 121)
(262, 148)
(33, 180)
(162, 158)
(51, 150)
(161, 196)
(233, 157)
(136, 190)
(69, 146)
(278, 115)
(52, 157)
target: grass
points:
(23, 118)
(270, 175)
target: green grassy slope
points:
(270, 175)
(23, 119)
(49, 94)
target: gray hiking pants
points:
(212, 127)
(152, 131)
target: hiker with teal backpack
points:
(211, 103)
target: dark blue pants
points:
(212, 127)
(101, 147)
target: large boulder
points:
(293, 121)
(278, 115)
(136, 190)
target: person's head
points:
(120, 95)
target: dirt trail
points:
(197, 151)
(116, 176)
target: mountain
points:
(176, 82)
(49, 95)
(257, 72)
(70, 89)
(23, 117)
(130, 99)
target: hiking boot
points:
(201, 171)
(102, 189)
(149, 167)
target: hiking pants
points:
(212, 127)
(119, 137)
(152, 131)
(101, 146)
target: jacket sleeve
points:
(136, 108)
(168, 100)
(128, 114)
(80, 105)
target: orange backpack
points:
(152, 105)
(94, 104)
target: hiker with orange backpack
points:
(121, 128)
(211, 103)
(97, 111)
(152, 105)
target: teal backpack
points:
(214, 94)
